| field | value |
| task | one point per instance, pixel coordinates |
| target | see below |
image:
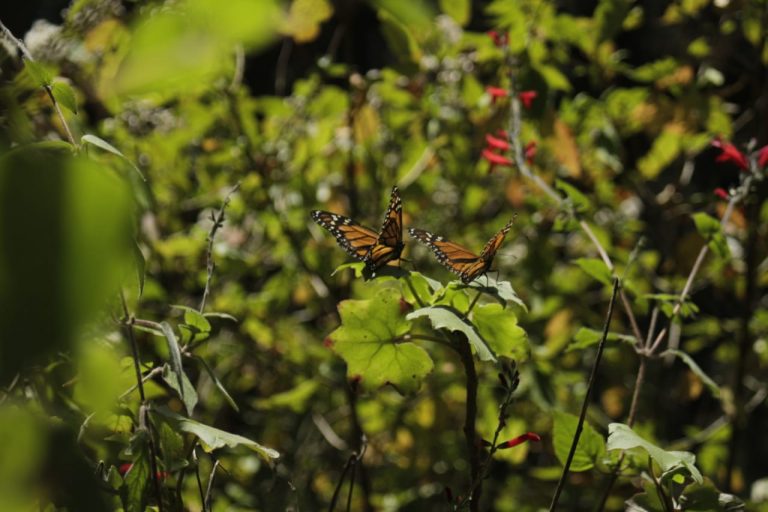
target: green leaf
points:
(139, 475)
(710, 229)
(171, 447)
(579, 201)
(423, 286)
(399, 38)
(106, 146)
(654, 70)
(219, 384)
(695, 368)
(39, 73)
(195, 327)
(212, 438)
(596, 268)
(187, 392)
(706, 498)
(622, 437)
(223, 316)
(590, 448)
(459, 10)
(586, 337)
(443, 317)
(501, 290)
(175, 352)
(370, 341)
(65, 95)
(498, 327)
(294, 399)
(302, 22)
(189, 44)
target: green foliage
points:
(589, 450)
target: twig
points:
(28, 56)
(207, 502)
(128, 325)
(470, 417)
(199, 482)
(352, 462)
(585, 403)
(218, 222)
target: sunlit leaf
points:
(499, 329)
(586, 337)
(443, 317)
(370, 341)
(106, 146)
(621, 437)
(65, 96)
(304, 18)
(596, 268)
(459, 10)
(186, 392)
(696, 369)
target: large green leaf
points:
(212, 438)
(139, 475)
(591, 444)
(622, 437)
(499, 329)
(443, 317)
(186, 392)
(501, 290)
(370, 341)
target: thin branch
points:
(470, 417)
(28, 56)
(207, 501)
(199, 482)
(585, 403)
(353, 461)
(218, 222)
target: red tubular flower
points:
(530, 152)
(730, 154)
(721, 193)
(499, 39)
(527, 97)
(528, 436)
(762, 156)
(496, 92)
(496, 159)
(496, 143)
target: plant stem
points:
(585, 403)
(128, 325)
(218, 222)
(470, 417)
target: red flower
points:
(721, 193)
(730, 154)
(496, 159)
(529, 436)
(762, 156)
(496, 143)
(496, 92)
(499, 39)
(530, 152)
(527, 97)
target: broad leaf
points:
(171, 447)
(304, 17)
(370, 341)
(447, 318)
(500, 290)
(212, 438)
(709, 228)
(621, 437)
(39, 73)
(591, 444)
(139, 475)
(596, 268)
(498, 327)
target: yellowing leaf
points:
(304, 17)
(565, 148)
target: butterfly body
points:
(458, 259)
(376, 249)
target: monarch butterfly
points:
(458, 259)
(375, 249)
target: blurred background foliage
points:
(327, 104)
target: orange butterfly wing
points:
(362, 243)
(460, 260)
